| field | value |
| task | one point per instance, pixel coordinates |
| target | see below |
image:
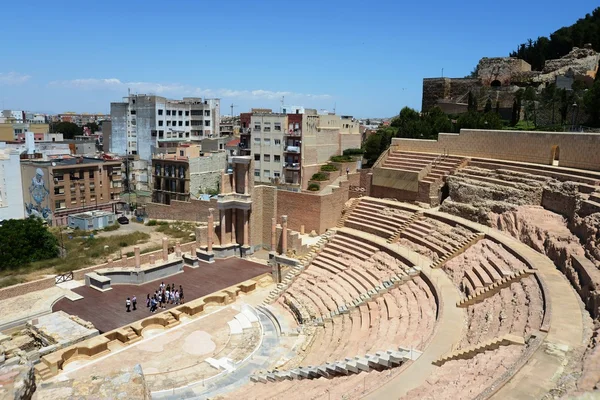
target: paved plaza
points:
(106, 310)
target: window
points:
(187, 123)
(276, 174)
(257, 172)
(91, 174)
(161, 134)
(277, 142)
(160, 123)
(277, 126)
(180, 113)
(187, 113)
(257, 157)
(196, 123)
(181, 153)
(277, 158)
(256, 140)
(267, 173)
(267, 127)
(207, 113)
(160, 112)
(257, 127)
(267, 141)
(180, 123)
(132, 112)
(168, 123)
(168, 112)
(59, 204)
(206, 123)
(267, 158)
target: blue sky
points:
(368, 58)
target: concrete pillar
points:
(223, 215)
(165, 243)
(246, 240)
(211, 230)
(233, 178)
(151, 259)
(284, 234)
(178, 249)
(302, 229)
(193, 250)
(124, 261)
(273, 234)
(233, 225)
(109, 263)
(136, 250)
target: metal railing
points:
(63, 278)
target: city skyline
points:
(355, 58)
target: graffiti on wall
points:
(38, 204)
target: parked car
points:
(123, 220)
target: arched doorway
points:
(555, 155)
(496, 83)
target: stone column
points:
(233, 178)
(109, 263)
(246, 239)
(124, 261)
(223, 219)
(136, 250)
(302, 229)
(284, 234)
(151, 259)
(274, 234)
(233, 227)
(247, 179)
(178, 249)
(193, 250)
(165, 243)
(211, 230)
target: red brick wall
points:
(194, 210)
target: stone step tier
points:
(471, 351)
(489, 291)
(462, 247)
(379, 361)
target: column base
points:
(191, 261)
(246, 251)
(205, 256)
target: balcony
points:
(294, 133)
(292, 166)
(292, 149)
(245, 131)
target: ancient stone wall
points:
(264, 208)
(577, 150)
(194, 210)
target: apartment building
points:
(15, 131)
(11, 194)
(289, 147)
(141, 123)
(80, 118)
(55, 188)
(186, 172)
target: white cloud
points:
(13, 78)
(175, 89)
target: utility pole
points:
(232, 105)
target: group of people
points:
(166, 294)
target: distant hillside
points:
(561, 42)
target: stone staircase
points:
(471, 351)
(488, 291)
(461, 248)
(347, 212)
(364, 298)
(131, 335)
(305, 260)
(43, 371)
(379, 361)
(396, 236)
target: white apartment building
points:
(143, 122)
(11, 193)
(288, 148)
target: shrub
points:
(314, 187)
(341, 159)
(112, 227)
(329, 168)
(151, 222)
(353, 152)
(123, 244)
(163, 223)
(130, 254)
(319, 176)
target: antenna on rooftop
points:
(282, 103)
(334, 107)
(232, 105)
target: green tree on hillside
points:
(23, 241)
(488, 106)
(591, 102)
